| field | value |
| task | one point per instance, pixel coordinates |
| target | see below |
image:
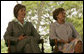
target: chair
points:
(40, 42)
(78, 47)
(54, 43)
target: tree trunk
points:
(39, 9)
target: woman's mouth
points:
(23, 14)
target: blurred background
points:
(40, 14)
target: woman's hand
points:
(63, 41)
(21, 37)
(70, 39)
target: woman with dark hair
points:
(21, 33)
(64, 34)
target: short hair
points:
(56, 12)
(17, 8)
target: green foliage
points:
(3, 47)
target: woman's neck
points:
(21, 20)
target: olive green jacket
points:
(14, 30)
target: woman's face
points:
(22, 13)
(61, 15)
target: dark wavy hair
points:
(17, 8)
(56, 12)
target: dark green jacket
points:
(14, 30)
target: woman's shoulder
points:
(28, 23)
(11, 22)
(69, 23)
(53, 24)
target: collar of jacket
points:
(16, 20)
